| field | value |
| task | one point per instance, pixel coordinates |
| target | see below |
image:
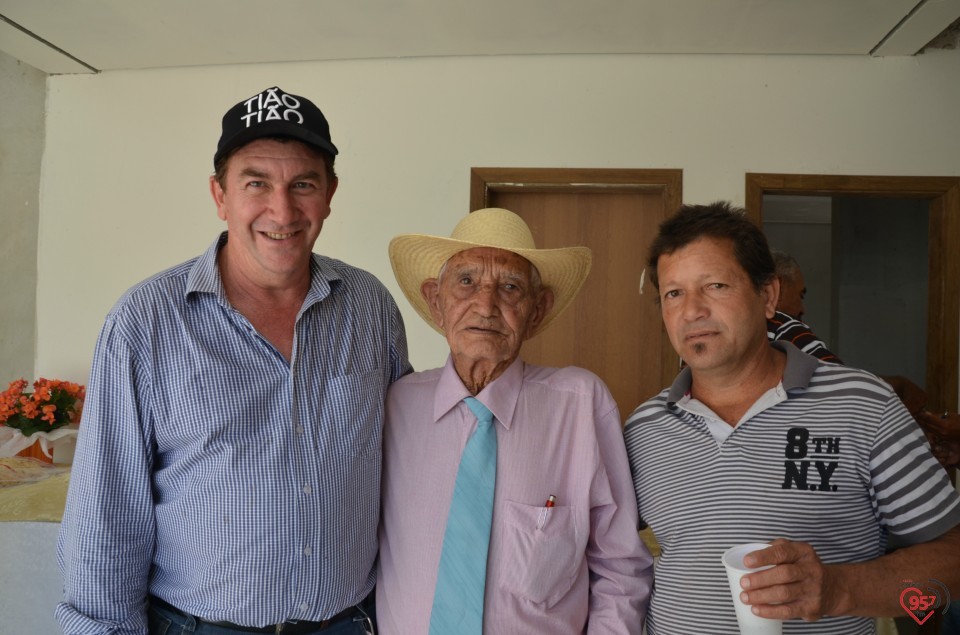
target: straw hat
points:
(418, 257)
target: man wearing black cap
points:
(227, 477)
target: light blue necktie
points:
(458, 598)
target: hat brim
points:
(416, 258)
(274, 129)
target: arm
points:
(946, 426)
(806, 588)
(621, 567)
(943, 433)
(399, 361)
(106, 542)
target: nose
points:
(485, 300)
(694, 307)
(283, 207)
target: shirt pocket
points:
(354, 406)
(541, 564)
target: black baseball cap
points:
(274, 113)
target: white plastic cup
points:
(750, 624)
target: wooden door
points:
(610, 329)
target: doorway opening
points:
(890, 247)
(864, 264)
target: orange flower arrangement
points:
(52, 404)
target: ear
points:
(540, 311)
(332, 189)
(430, 290)
(770, 293)
(217, 192)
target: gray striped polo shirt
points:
(839, 463)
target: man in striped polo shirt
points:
(758, 442)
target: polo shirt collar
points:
(796, 374)
(799, 369)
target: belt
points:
(285, 628)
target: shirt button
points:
(304, 606)
(307, 489)
(307, 551)
(298, 429)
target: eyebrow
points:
(252, 172)
(310, 175)
(303, 176)
(473, 268)
(516, 276)
(463, 268)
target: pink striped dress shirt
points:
(578, 567)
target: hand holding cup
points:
(750, 624)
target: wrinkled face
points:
(487, 303)
(792, 292)
(715, 318)
(275, 198)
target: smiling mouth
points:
(278, 236)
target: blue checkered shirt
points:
(216, 475)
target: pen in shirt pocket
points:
(545, 511)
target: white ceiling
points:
(85, 36)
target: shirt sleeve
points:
(914, 498)
(785, 328)
(621, 567)
(399, 360)
(106, 543)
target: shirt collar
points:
(500, 396)
(204, 276)
(796, 374)
(800, 366)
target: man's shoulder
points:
(356, 277)
(573, 377)
(828, 377)
(655, 408)
(784, 328)
(569, 387)
(842, 389)
(160, 287)
(419, 380)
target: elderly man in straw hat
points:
(507, 500)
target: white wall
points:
(124, 190)
(23, 90)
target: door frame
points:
(668, 182)
(943, 295)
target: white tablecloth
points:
(30, 584)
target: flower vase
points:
(35, 451)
